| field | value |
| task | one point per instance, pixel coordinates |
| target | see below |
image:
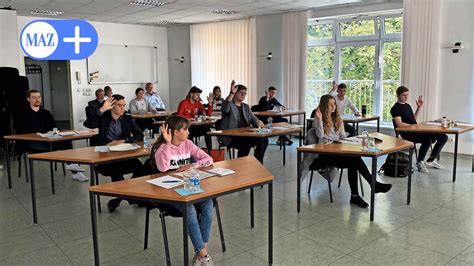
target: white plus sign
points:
(76, 39)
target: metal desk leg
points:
(252, 214)
(94, 180)
(33, 191)
(378, 124)
(298, 181)
(185, 234)
(410, 161)
(53, 190)
(270, 223)
(284, 152)
(372, 191)
(95, 241)
(472, 165)
(300, 142)
(456, 137)
(304, 128)
(7, 158)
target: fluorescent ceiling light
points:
(168, 23)
(223, 12)
(47, 12)
(149, 3)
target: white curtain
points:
(420, 52)
(222, 52)
(294, 58)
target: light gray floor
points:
(437, 228)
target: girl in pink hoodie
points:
(174, 151)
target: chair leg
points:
(340, 178)
(165, 239)
(361, 186)
(219, 223)
(27, 176)
(310, 181)
(55, 166)
(330, 190)
(64, 169)
(19, 165)
(147, 224)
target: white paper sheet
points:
(202, 174)
(159, 181)
(221, 171)
(101, 149)
(67, 133)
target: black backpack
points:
(388, 168)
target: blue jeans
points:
(199, 217)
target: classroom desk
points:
(249, 173)
(354, 120)
(252, 133)
(388, 145)
(438, 129)
(149, 115)
(85, 155)
(33, 137)
(289, 113)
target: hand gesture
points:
(116, 142)
(183, 168)
(267, 95)
(419, 101)
(357, 114)
(260, 123)
(107, 105)
(233, 87)
(210, 99)
(318, 114)
(166, 133)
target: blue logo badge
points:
(59, 39)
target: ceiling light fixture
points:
(168, 23)
(223, 12)
(148, 3)
(47, 12)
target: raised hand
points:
(318, 114)
(419, 101)
(107, 105)
(210, 99)
(267, 95)
(233, 87)
(166, 133)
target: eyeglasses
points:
(242, 93)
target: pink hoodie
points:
(169, 157)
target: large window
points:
(364, 53)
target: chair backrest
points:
(148, 168)
(313, 113)
(218, 124)
(395, 127)
(255, 108)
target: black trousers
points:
(198, 131)
(353, 164)
(245, 144)
(117, 170)
(426, 140)
(350, 130)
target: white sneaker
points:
(422, 167)
(435, 164)
(204, 261)
(74, 167)
(80, 177)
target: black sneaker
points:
(382, 188)
(289, 141)
(113, 204)
(357, 200)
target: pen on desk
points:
(170, 181)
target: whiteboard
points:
(122, 64)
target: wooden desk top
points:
(252, 132)
(152, 115)
(284, 113)
(36, 137)
(354, 119)
(248, 172)
(388, 145)
(429, 128)
(88, 155)
(193, 122)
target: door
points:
(60, 92)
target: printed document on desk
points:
(166, 181)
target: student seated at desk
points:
(342, 102)
(153, 99)
(235, 114)
(217, 99)
(328, 127)
(93, 114)
(117, 128)
(38, 120)
(269, 102)
(139, 104)
(190, 108)
(402, 114)
(174, 151)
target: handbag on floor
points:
(388, 168)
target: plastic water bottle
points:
(270, 122)
(146, 139)
(195, 183)
(444, 122)
(365, 140)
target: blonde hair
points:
(330, 120)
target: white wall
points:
(9, 40)
(179, 73)
(113, 33)
(456, 83)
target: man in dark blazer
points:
(116, 128)
(235, 114)
(93, 113)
